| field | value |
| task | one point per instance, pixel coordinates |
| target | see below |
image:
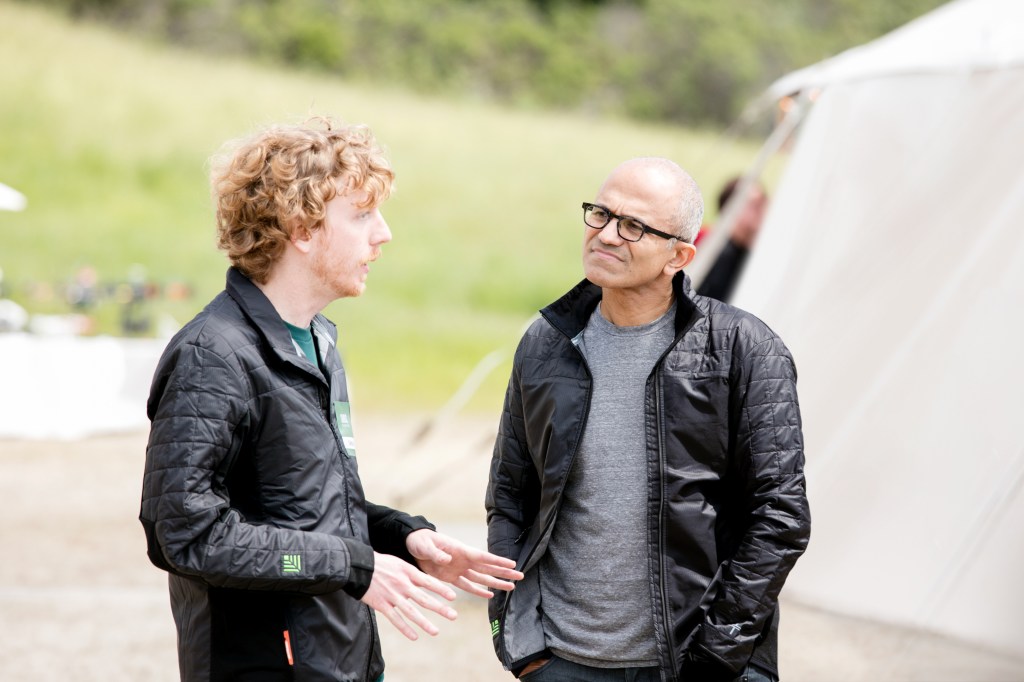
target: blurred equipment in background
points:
(13, 317)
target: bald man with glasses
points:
(648, 472)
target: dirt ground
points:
(79, 600)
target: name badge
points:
(343, 419)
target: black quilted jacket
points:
(252, 500)
(728, 511)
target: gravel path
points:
(79, 600)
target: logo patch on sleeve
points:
(291, 563)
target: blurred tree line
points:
(683, 61)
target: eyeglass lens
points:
(628, 228)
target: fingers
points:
(476, 583)
(452, 548)
(426, 601)
(467, 585)
(499, 562)
(484, 558)
(398, 591)
(492, 581)
(472, 570)
(394, 615)
(503, 571)
(499, 578)
(434, 585)
(492, 564)
(407, 610)
(483, 562)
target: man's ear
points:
(302, 238)
(683, 253)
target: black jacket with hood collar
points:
(727, 508)
(252, 500)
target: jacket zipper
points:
(666, 622)
(325, 410)
(661, 528)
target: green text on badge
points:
(343, 418)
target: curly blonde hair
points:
(278, 181)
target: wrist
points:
(410, 542)
(360, 568)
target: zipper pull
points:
(288, 648)
(522, 535)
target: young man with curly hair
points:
(251, 496)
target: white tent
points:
(892, 264)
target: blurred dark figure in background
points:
(83, 291)
(723, 275)
(134, 296)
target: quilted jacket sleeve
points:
(769, 457)
(198, 405)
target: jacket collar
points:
(266, 320)
(570, 313)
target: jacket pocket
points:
(247, 633)
(697, 424)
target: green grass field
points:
(109, 137)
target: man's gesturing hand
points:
(469, 569)
(398, 590)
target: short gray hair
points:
(689, 215)
(691, 210)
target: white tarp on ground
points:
(11, 199)
(892, 264)
(68, 387)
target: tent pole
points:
(713, 243)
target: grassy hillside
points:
(108, 138)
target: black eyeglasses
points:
(630, 229)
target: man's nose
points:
(610, 233)
(382, 235)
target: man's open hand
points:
(468, 568)
(398, 591)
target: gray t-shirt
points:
(594, 578)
